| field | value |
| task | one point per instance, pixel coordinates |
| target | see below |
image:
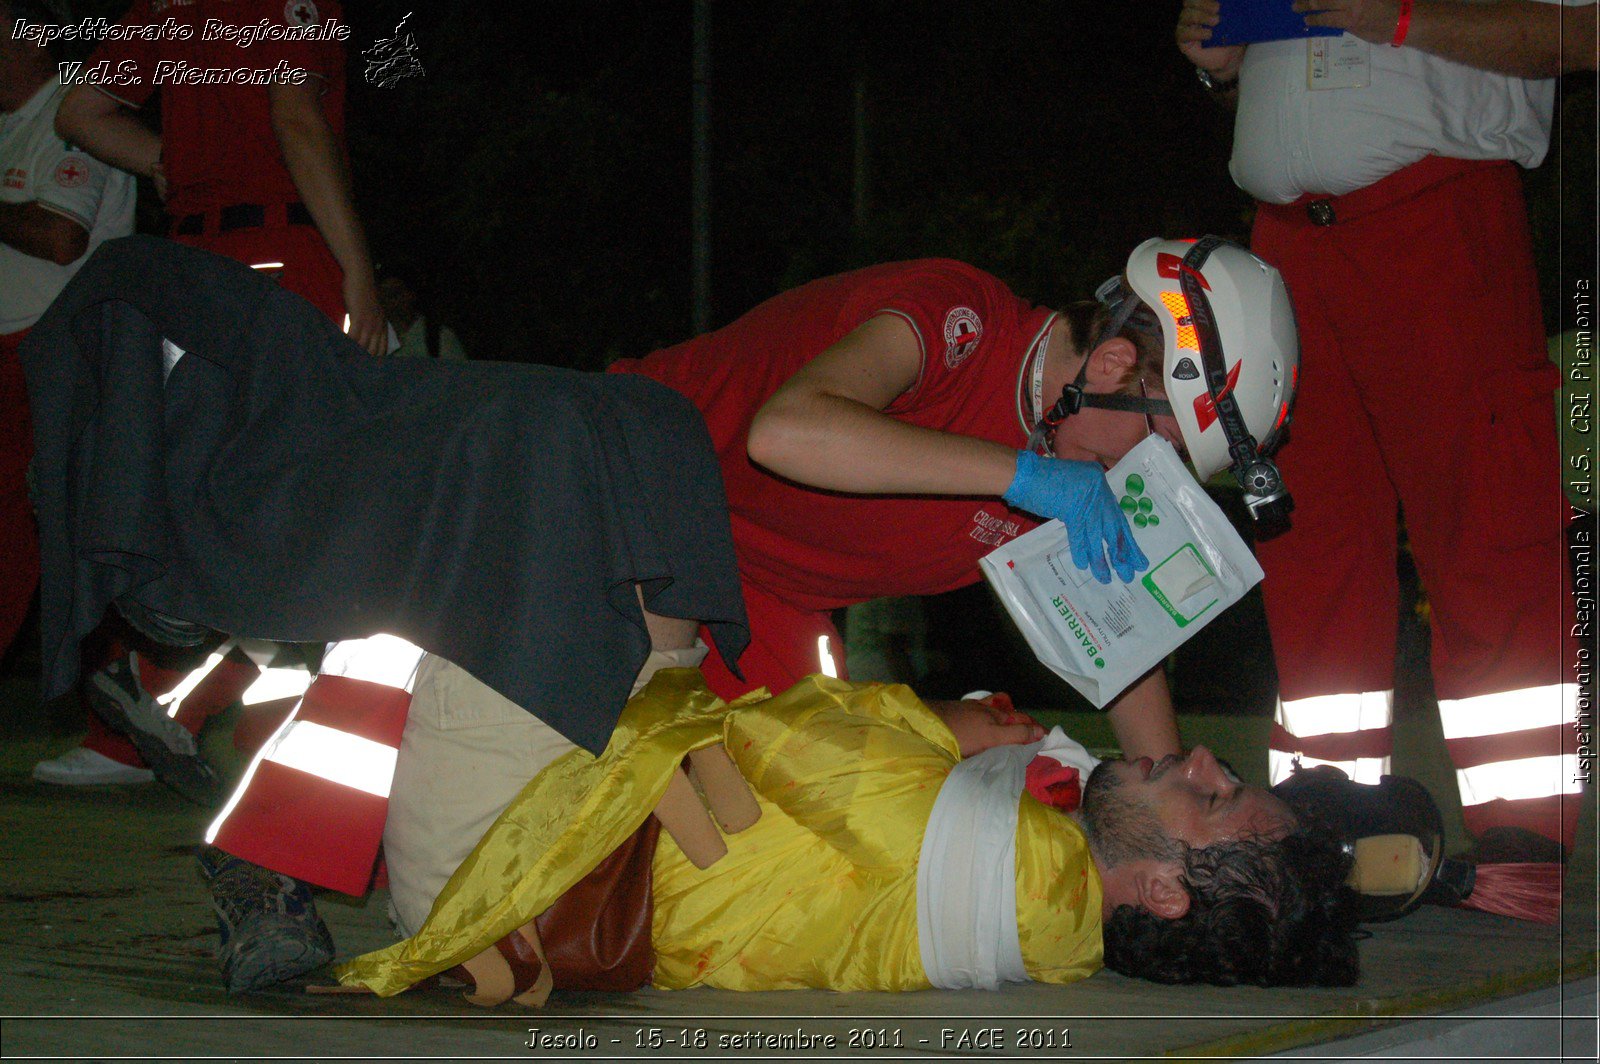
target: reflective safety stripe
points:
(385, 659)
(1334, 714)
(825, 658)
(173, 699)
(249, 777)
(337, 756)
(274, 684)
(1280, 766)
(1323, 715)
(266, 265)
(1509, 711)
(1530, 777)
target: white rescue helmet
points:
(1229, 333)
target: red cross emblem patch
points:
(72, 172)
(300, 13)
(962, 331)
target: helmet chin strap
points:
(1123, 303)
(1264, 493)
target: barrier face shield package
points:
(1100, 638)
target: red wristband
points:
(1402, 27)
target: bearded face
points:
(1144, 810)
(1121, 826)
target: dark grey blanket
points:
(278, 482)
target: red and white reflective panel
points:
(1507, 713)
(340, 757)
(1344, 714)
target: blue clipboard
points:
(1249, 21)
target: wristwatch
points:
(1214, 84)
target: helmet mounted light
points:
(1241, 298)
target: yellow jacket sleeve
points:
(1058, 896)
(822, 890)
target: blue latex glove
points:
(1076, 494)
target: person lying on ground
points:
(872, 831)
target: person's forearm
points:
(316, 164)
(1223, 63)
(103, 128)
(831, 442)
(42, 233)
(1522, 38)
(1143, 720)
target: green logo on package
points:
(1136, 504)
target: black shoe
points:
(271, 932)
(166, 746)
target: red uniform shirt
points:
(218, 146)
(819, 550)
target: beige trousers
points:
(466, 752)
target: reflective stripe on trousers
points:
(313, 802)
(1515, 752)
(1353, 732)
(1513, 745)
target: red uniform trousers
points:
(20, 574)
(787, 643)
(309, 268)
(1425, 384)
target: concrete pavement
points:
(106, 953)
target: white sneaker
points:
(82, 767)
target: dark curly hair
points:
(1269, 913)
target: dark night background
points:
(539, 173)
(541, 166)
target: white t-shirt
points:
(1290, 139)
(36, 165)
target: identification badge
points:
(1342, 62)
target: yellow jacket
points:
(821, 892)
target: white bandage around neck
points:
(966, 871)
